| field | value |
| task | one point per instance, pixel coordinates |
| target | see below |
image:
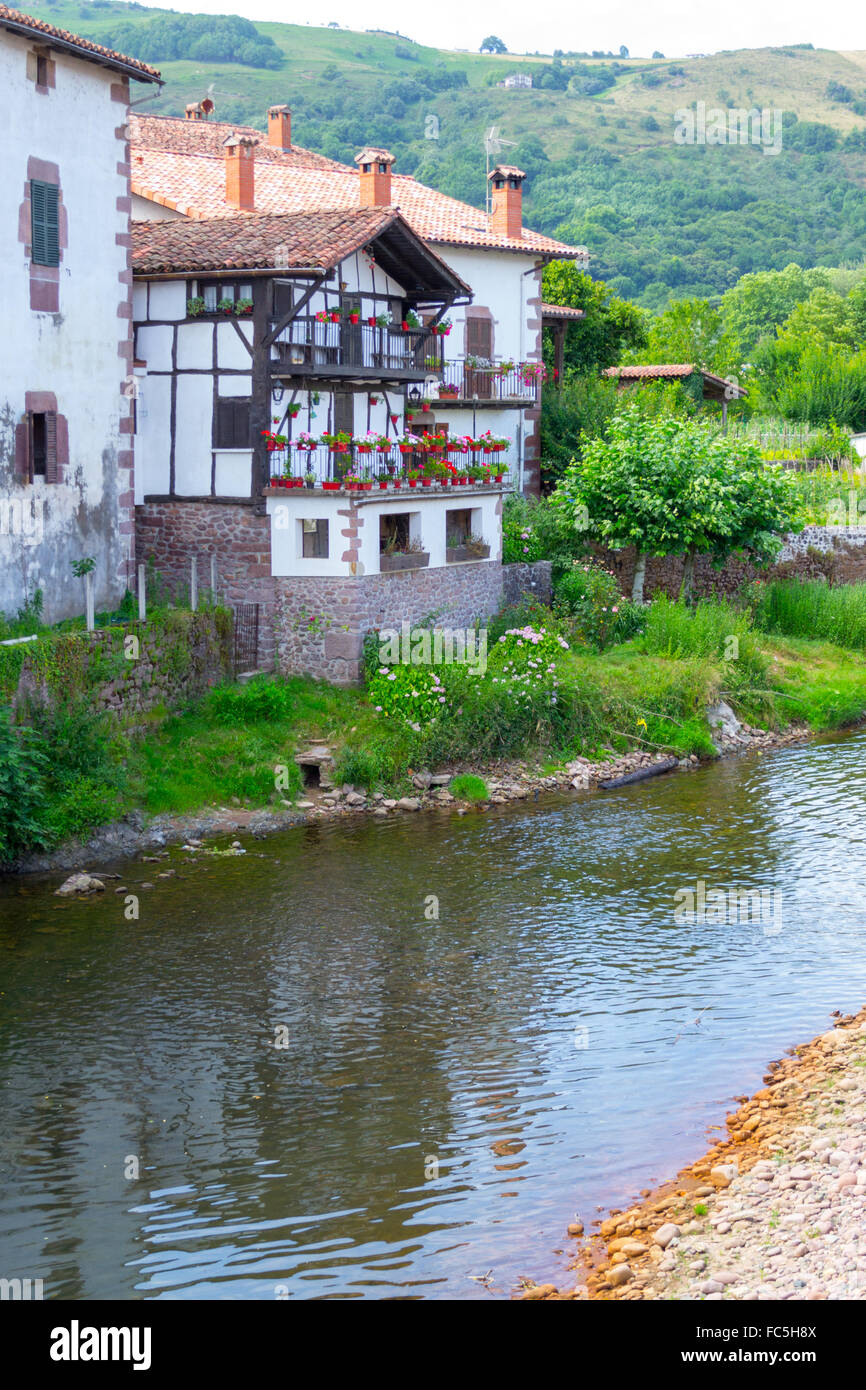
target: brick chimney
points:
(280, 127)
(240, 171)
(506, 212)
(374, 167)
(198, 110)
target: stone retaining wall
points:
(169, 533)
(128, 670)
(837, 553)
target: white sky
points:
(675, 27)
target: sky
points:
(674, 27)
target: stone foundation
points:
(321, 623)
(170, 533)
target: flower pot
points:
(461, 482)
(416, 561)
(371, 322)
(413, 482)
(354, 318)
(404, 325)
(397, 482)
(458, 554)
(335, 318)
(426, 482)
(454, 482)
(310, 486)
(497, 477)
(383, 483)
(331, 487)
(365, 487)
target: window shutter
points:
(479, 337)
(44, 223)
(232, 424)
(23, 456)
(51, 468)
(282, 299)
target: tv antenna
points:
(493, 143)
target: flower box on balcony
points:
(332, 486)
(456, 554)
(413, 560)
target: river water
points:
(288, 1078)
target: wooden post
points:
(142, 595)
(193, 583)
(559, 351)
(213, 578)
(88, 602)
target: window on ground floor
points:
(314, 538)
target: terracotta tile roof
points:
(181, 136)
(634, 373)
(15, 20)
(183, 168)
(714, 386)
(291, 241)
(561, 311)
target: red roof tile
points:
(180, 164)
(255, 242)
(561, 311)
(633, 373)
(17, 21)
(182, 136)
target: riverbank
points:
(772, 1211)
(566, 720)
(504, 782)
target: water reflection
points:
(450, 1092)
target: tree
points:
(690, 330)
(760, 302)
(610, 326)
(492, 45)
(672, 486)
(623, 51)
(658, 55)
(825, 319)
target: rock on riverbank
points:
(777, 1210)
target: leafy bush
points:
(417, 695)
(533, 529)
(590, 596)
(259, 700)
(23, 799)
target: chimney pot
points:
(280, 127)
(506, 213)
(374, 169)
(240, 171)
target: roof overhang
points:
(51, 38)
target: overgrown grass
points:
(813, 609)
(467, 787)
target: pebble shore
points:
(776, 1210)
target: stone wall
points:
(321, 623)
(835, 553)
(170, 533)
(534, 579)
(130, 670)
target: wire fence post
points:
(88, 602)
(142, 594)
(213, 578)
(193, 584)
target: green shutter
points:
(44, 223)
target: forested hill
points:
(596, 136)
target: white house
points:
(66, 394)
(182, 167)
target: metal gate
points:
(245, 650)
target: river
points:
(289, 1078)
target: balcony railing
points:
(307, 347)
(332, 466)
(470, 380)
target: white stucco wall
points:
(428, 525)
(74, 353)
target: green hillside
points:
(595, 136)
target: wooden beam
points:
(270, 338)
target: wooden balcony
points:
(345, 352)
